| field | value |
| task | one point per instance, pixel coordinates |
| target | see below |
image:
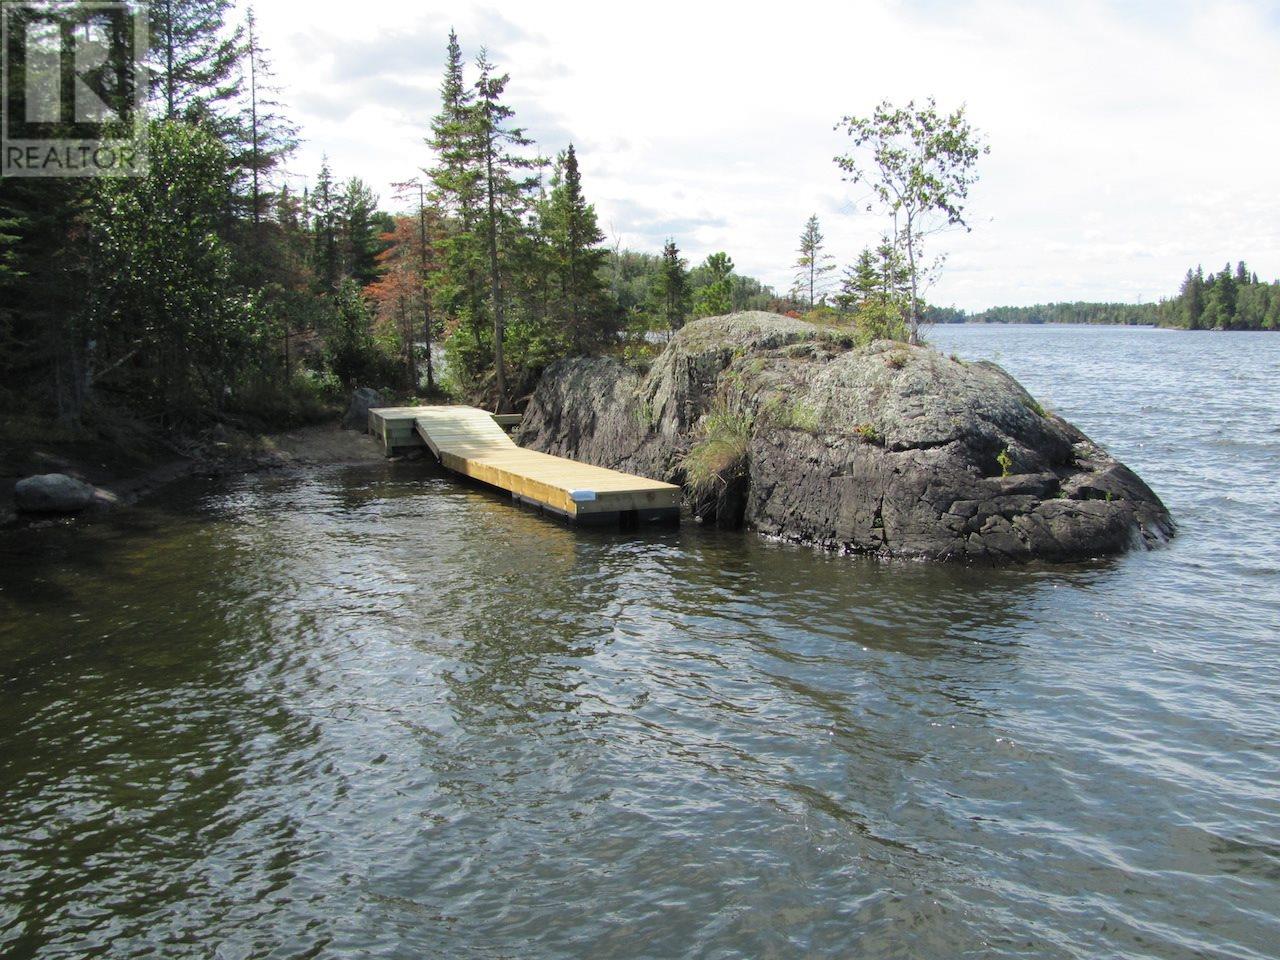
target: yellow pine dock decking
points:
(471, 442)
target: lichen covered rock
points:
(886, 449)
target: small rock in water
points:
(52, 493)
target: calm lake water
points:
(371, 713)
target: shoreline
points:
(126, 481)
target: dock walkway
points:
(470, 442)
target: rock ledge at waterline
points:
(887, 450)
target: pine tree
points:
(268, 137)
(813, 264)
(1191, 299)
(360, 232)
(505, 194)
(895, 275)
(193, 57)
(574, 236)
(324, 229)
(862, 282)
(716, 297)
(456, 178)
(671, 284)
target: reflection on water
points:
(371, 712)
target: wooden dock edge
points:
(487, 456)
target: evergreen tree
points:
(671, 287)
(361, 229)
(895, 274)
(813, 264)
(573, 234)
(193, 57)
(1225, 285)
(716, 297)
(456, 178)
(861, 283)
(505, 189)
(266, 135)
(1192, 299)
(324, 208)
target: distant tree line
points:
(1232, 299)
(1228, 300)
(1131, 314)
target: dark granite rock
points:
(885, 449)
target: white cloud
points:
(1128, 141)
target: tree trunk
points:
(495, 283)
(426, 298)
(913, 320)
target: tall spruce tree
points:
(266, 133)
(861, 283)
(325, 254)
(813, 264)
(671, 287)
(506, 190)
(360, 230)
(456, 178)
(194, 58)
(577, 258)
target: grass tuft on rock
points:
(720, 454)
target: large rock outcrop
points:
(886, 449)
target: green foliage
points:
(1078, 312)
(194, 58)
(785, 414)
(1223, 301)
(359, 229)
(308, 396)
(1005, 462)
(813, 264)
(919, 165)
(671, 288)
(165, 310)
(1232, 299)
(506, 187)
(878, 320)
(715, 298)
(350, 349)
(582, 308)
(720, 454)
(897, 359)
(867, 433)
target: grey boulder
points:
(363, 399)
(52, 493)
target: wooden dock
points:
(473, 443)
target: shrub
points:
(1005, 461)
(867, 433)
(880, 321)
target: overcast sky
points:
(1128, 140)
